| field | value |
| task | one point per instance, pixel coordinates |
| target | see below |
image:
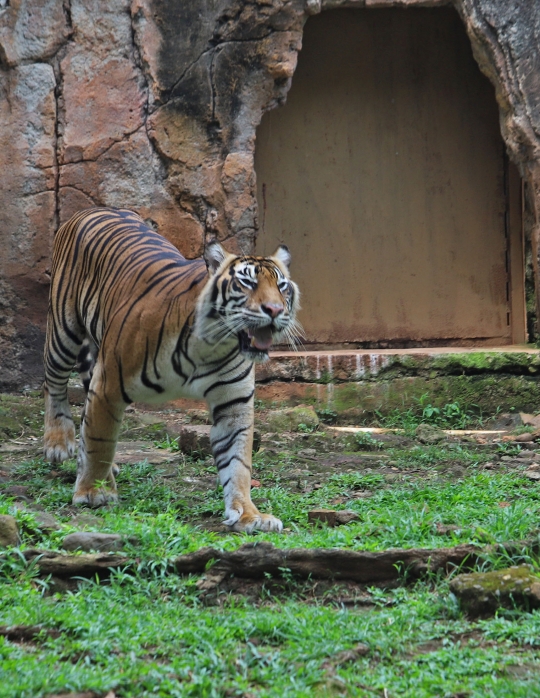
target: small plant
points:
(327, 416)
(326, 377)
(366, 442)
(306, 428)
(449, 416)
(430, 413)
(524, 429)
(454, 416)
(508, 449)
(167, 442)
(399, 419)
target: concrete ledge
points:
(359, 383)
(345, 365)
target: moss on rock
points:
(428, 434)
(361, 400)
(20, 413)
(9, 426)
(9, 531)
(483, 593)
(292, 419)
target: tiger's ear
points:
(283, 255)
(214, 255)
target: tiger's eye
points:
(247, 282)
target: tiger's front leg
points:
(100, 426)
(232, 441)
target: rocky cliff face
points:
(153, 105)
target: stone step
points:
(364, 364)
(361, 383)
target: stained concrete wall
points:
(386, 174)
(153, 104)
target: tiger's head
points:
(250, 298)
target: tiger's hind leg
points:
(61, 348)
(100, 426)
(59, 437)
(86, 362)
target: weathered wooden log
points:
(27, 633)
(258, 559)
(62, 565)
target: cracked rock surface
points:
(154, 105)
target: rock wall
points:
(153, 105)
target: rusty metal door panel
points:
(385, 174)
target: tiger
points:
(147, 325)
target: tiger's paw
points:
(59, 444)
(94, 497)
(248, 523)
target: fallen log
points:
(27, 633)
(62, 565)
(259, 559)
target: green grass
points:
(149, 636)
(404, 508)
(451, 415)
(149, 632)
(487, 507)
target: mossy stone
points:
(9, 531)
(428, 434)
(482, 593)
(291, 419)
(9, 426)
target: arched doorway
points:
(386, 174)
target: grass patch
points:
(451, 415)
(148, 636)
(149, 632)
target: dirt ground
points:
(412, 488)
(299, 461)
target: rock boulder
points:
(483, 593)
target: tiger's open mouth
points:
(256, 342)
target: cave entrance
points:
(386, 174)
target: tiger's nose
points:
(272, 309)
